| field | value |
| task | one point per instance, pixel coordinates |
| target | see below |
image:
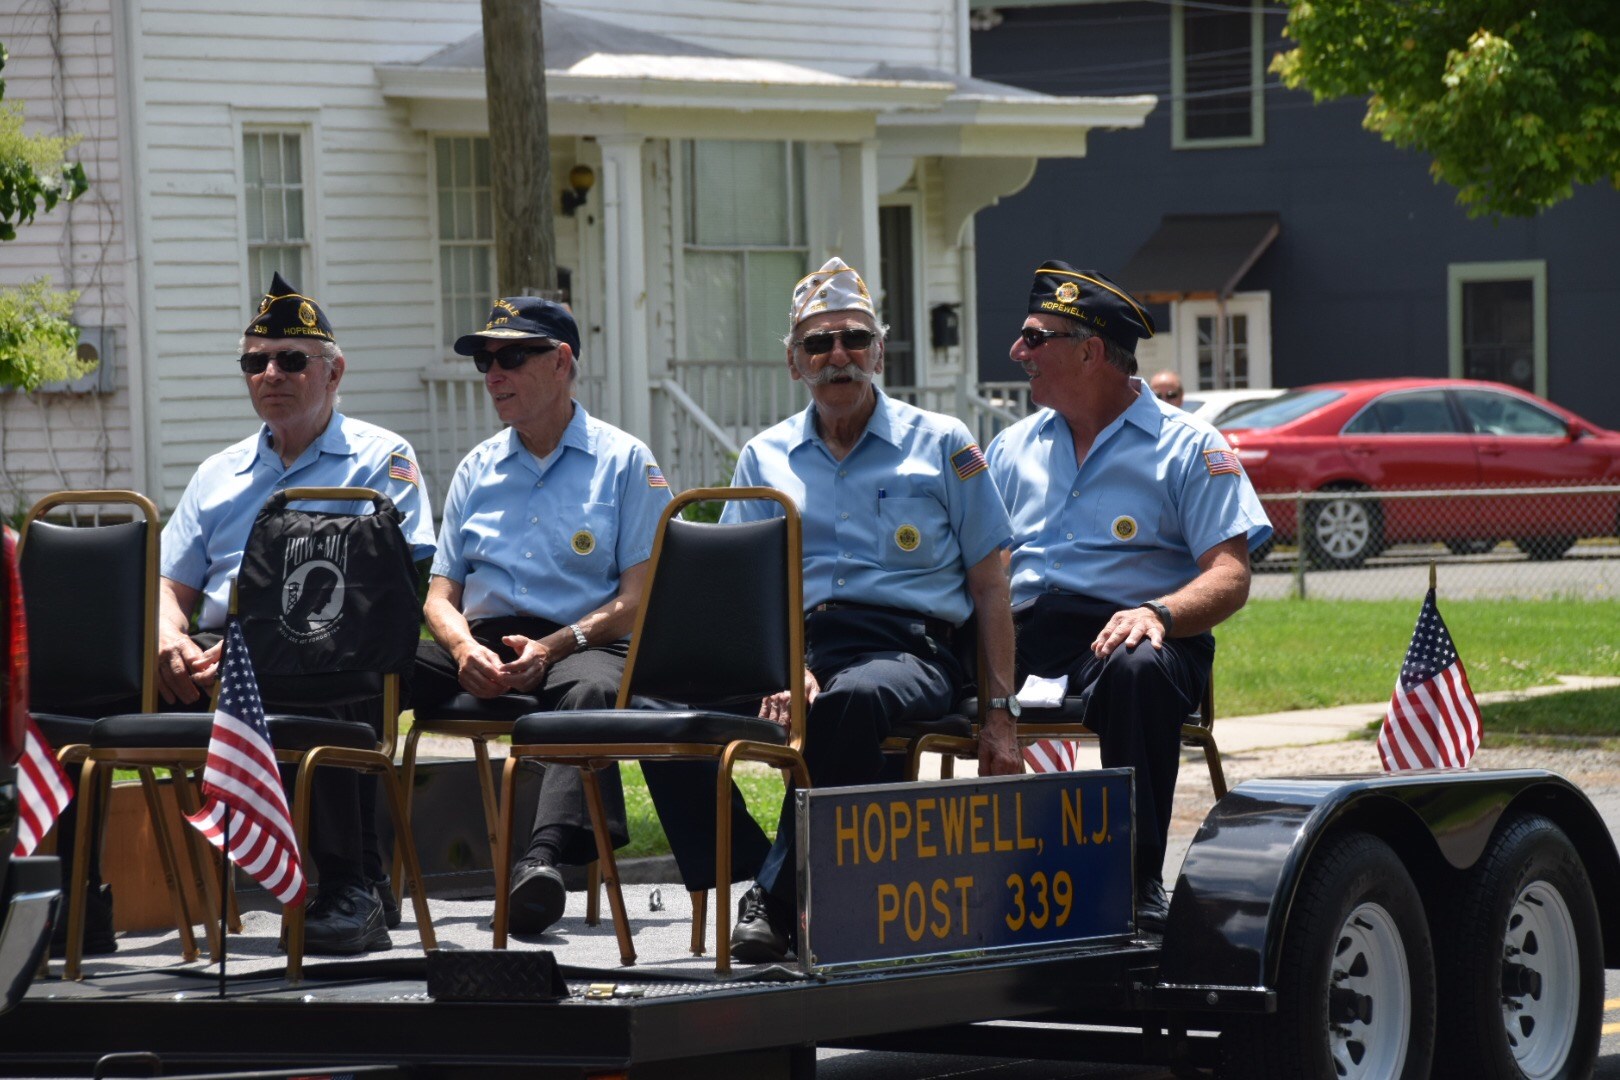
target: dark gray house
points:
(1331, 253)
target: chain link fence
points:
(1527, 542)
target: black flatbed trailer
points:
(1317, 923)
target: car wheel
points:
(1471, 547)
(1531, 1007)
(1356, 990)
(1343, 533)
(1545, 548)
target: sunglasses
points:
(854, 339)
(288, 361)
(510, 358)
(1034, 337)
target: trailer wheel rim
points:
(1369, 1024)
(1541, 974)
(1343, 528)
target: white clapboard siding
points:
(62, 67)
(843, 36)
(306, 65)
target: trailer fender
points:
(1230, 907)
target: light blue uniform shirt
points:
(550, 541)
(1158, 489)
(896, 523)
(203, 541)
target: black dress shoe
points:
(1152, 906)
(98, 925)
(385, 893)
(344, 921)
(760, 936)
(537, 899)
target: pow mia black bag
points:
(328, 592)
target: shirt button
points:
(540, 483)
(534, 521)
(1057, 566)
(843, 472)
(844, 516)
(1074, 494)
(528, 554)
(840, 581)
(1068, 536)
(524, 589)
(845, 555)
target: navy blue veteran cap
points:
(1091, 299)
(283, 313)
(522, 318)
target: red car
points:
(1422, 434)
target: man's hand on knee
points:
(529, 669)
(479, 671)
(1129, 628)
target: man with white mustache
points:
(903, 535)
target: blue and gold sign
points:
(944, 869)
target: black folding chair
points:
(359, 662)
(743, 580)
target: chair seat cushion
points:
(957, 725)
(467, 707)
(644, 726)
(192, 730)
(61, 730)
(1072, 711)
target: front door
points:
(1243, 359)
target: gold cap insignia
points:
(906, 538)
(306, 314)
(583, 542)
(1068, 292)
(264, 305)
(1124, 527)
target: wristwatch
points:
(1162, 612)
(579, 637)
(1014, 709)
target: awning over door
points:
(1198, 256)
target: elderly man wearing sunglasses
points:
(292, 364)
(1132, 525)
(902, 544)
(542, 559)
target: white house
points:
(733, 144)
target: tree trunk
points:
(519, 148)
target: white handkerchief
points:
(1039, 693)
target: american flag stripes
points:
(1433, 719)
(1052, 755)
(242, 786)
(43, 791)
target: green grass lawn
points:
(1288, 654)
(761, 790)
(1550, 719)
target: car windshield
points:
(1281, 410)
(1241, 408)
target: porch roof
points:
(604, 78)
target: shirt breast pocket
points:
(908, 530)
(590, 539)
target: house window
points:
(277, 225)
(1215, 75)
(744, 246)
(1498, 323)
(1233, 372)
(466, 233)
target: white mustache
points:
(829, 374)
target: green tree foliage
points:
(38, 342)
(1515, 101)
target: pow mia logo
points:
(1067, 292)
(312, 587)
(1124, 527)
(583, 542)
(906, 538)
(306, 314)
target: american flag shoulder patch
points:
(1222, 461)
(403, 468)
(968, 461)
(655, 477)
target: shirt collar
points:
(577, 435)
(334, 440)
(881, 424)
(1146, 412)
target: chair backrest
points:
(90, 594)
(328, 601)
(723, 613)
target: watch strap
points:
(579, 637)
(1163, 612)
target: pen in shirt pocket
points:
(883, 493)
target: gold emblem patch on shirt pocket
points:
(1124, 527)
(583, 542)
(907, 537)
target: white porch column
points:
(858, 212)
(624, 275)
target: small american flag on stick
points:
(1433, 719)
(43, 791)
(242, 794)
(1052, 755)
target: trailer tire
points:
(1531, 1009)
(1355, 982)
